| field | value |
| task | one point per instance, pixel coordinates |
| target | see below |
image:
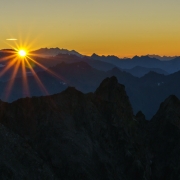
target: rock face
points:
(92, 136)
(19, 160)
(169, 112)
(164, 140)
(112, 93)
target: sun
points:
(21, 60)
(22, 53)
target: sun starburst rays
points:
(8, 66)
(21, 61)
(12, 79)
(24, 77)
(37, 78)
(46, 69)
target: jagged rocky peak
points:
(112, 92)
(164, 137)
(110, 89)
(171, 102)
(169, 112)
(94, 55)
(71, 135)
(140, 117)
(70, 91)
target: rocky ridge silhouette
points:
(71, 135)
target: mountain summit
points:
(55, 51)
(75, 135)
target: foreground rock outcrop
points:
(164, 140)
(91, 136)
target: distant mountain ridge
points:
(148, 61)
(143, 61)
(85, 73)
(163, 58)
(55, 52)
(147, 91)
(139, 71)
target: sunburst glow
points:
(21, 59)
(22, 53)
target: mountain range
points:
(71, 135)
(90, 118)
(146, 87)
(163, 58)
(54, 52)
(145, 93)
(143, 61)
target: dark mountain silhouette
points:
(148, 91)
(110, 59)
(71, 135)
(80, 75)
(123, 77)
(94, 63)
(139, 71)
(145, 93)
(165, 125)
(71, 58)
(108, 62)
(143, 61)
(52, 56)
(99, 62)
(77, 136)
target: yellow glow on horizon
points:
(122, 28)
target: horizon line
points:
(101, 54)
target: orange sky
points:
(118, 27)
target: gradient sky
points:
(119, 27)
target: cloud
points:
(11, 39)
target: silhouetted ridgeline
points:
(94, 136)
(145, 93)
(170, 66)
(85, 73)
